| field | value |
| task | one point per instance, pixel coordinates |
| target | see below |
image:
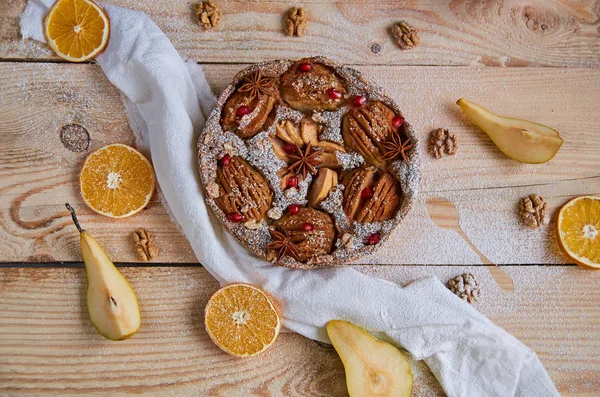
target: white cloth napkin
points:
(168, 101)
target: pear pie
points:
(307, 163)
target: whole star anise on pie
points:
(395, 147)
(256, 84)
(283, 244)
(305, 161)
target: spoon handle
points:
(502, 279)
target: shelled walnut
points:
(465, 287)
(144, 246)
(208, 14)
(442, 141)
(533, 211)
(405, 35)
(296, 22)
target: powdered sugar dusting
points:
(259, 152)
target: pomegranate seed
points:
(235, 217)
(334, 94)
(308, 227)
(305, 67)
(397, 121)
(292, 181)
(225, 160)
(358, 101)
(289, 148)
(367, 192)
(373, 239)
(294, 209)
(242, 111)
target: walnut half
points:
(208, 14)
(295, 23)
(144, 246)
(533, 211)
(405, 35)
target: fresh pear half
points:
(111, 301)
(520, 140)
(373, 368)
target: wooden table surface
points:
(523, 57)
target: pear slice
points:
(309, 130)
(111, 301)
(278, 148)
(319, 190)
(520, 140)
(373, 367)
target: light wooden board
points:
(498, 33)
(48, 346)
(38, 174)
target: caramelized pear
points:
(520, 140)
(373, 367)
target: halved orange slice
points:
(76, 30)
(117, 181)
(241, 319)
(579, 230)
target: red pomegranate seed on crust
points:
(334, 94)
(397, 121)
(373, 239)
(289, 148)
(305, 67)
(292, 181)
(367, 192)
(235, 217)
(294, 209)
(225, 160)
(358, 101)
(242, 111)
(308, 227)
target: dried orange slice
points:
(241, 319)
(579, 230)
(117, 181)
(76, 30)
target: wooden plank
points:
(526, 33)
(39, 174)
(48, 346)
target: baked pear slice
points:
(521, 140)
(373, 367)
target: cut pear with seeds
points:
(373, 367)
(111, 301)
(520, 140)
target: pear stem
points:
(75, 221)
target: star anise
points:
(256, 84)
(396, 147)
(305, 162)
(283, 245)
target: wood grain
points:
(459, 32)
(38, 174)
(48, 346)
